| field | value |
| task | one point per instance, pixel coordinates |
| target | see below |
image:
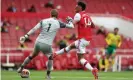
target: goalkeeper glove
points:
(23, 38)
(69, 19)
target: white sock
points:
(86, 64)
(67, 49)
(50, 65)
(26, 61)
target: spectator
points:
(79, 0)
(6, 22)
(12, 8)
(4, 28)
(103, 64)
(4, 25)
(62, 43)
(32, 9)
(17, 27)
(50, 4)
(22, 46)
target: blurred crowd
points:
(12, 7)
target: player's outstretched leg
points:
(49, 67)
(27, 60)
(65, 50)
(95, 73)
(87, 65)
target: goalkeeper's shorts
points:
(44, 48)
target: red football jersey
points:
(84, 26)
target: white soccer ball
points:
(25, 73)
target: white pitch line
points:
(68, 77)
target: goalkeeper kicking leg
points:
(28, 59)
(47, 50)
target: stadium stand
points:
(94, 6)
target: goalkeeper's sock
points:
(86, 64)
(50, 65)
(64, 50)
(26, 61)
(48, 73)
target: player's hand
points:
(23, 38)
(69, 19)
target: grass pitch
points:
(68, 75)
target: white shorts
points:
(81, 45)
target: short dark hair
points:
(54, 13)
(116, 28)
(82, 4)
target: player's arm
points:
(77, 18)
(102, 31)
(23, 38)
(92, 25)
(107, 39)
(119, 42)
(66, 25)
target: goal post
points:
(118, 58)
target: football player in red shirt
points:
(85, 24)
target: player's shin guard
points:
(86, 64)
(49, 66)
(64, 50)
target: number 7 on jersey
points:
(49, 27)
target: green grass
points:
(69, 75)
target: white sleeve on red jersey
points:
(77, 17)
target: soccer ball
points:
(25, 73)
